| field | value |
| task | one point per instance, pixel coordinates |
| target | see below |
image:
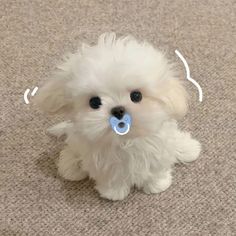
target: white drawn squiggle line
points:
(32, 94)
(25, 96)
(34, 91)
(188, 74)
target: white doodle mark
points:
(188, 74)
(27, 92)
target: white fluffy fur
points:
(111, 69)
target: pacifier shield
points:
(121, 126)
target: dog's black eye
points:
(95, 102)
(136, 96)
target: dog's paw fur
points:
(158, 185)
(113, 193)
(188, 149)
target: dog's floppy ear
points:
(53, 97)
(174, 96)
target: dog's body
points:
(109, 72)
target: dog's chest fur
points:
(133, 161)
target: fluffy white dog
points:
(100, 85)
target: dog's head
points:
(113, 78)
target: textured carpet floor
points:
(35, 201)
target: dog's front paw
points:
(112, 193)
(188, 150)
(158, 185)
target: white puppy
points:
(100, 85)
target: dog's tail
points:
(60, 129)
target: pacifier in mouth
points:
(121, 126)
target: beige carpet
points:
(35, 201)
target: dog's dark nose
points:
(118, 112)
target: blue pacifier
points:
(121, 126)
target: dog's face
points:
(111, 79)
